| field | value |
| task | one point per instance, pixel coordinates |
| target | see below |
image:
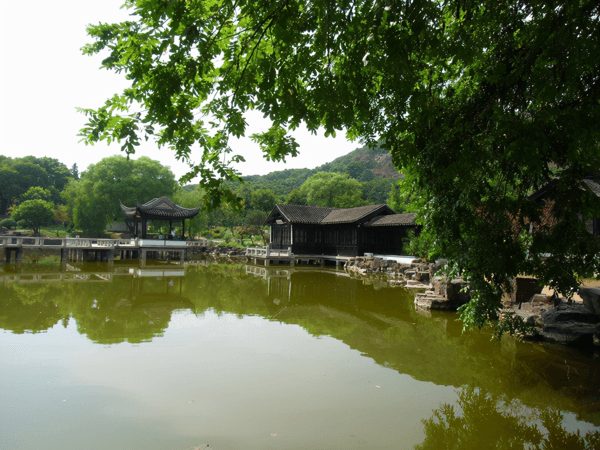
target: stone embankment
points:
(439, 293)
(444, 295)
(576, 322)
(415, 275)
(572, 323)
(221, 252)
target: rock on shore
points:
(569, 323)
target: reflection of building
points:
(317, 230)
(157, 284)
(287, 287)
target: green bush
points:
(8, 223)
(228, 236)
(208, 235)
(22, 223)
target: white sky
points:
(44, 77)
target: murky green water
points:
(171, 358)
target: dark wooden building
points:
(316, 230)
(591, 184)
(137, 217)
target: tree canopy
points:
(18, 175)
(93, 200)
(483, 102)
(332, 189)
(35, 212)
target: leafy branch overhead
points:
(482, 102)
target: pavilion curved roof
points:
(160, 208)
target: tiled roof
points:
(594, 185)
(318, 215)
(544, 189)
(392, 220)
(303, 213)
(161, 207)
(349, 215)
(128, 210)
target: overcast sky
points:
(44, 77)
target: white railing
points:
(267, 252)
(258, 252)
(281, 252)
(161, 243)
(257, 271)
(69, 242)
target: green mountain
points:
(369, 166)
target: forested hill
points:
(362, 164)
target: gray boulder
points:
(591, 298)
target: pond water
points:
(234, 357)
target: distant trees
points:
(333, 190)
(192, 199)
(18, 175)
(264, 200)
(93, 200)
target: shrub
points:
(22, 223)
(228, 236)
(8, 223)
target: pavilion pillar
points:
(183, 229)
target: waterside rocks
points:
(568, 323)
(440, 293)
(416, 275)
(219, 252)
(591, 298)
(445, 295)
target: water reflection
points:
(134, 304)
(487, 421)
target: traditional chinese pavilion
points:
(137, 217)
(317, 230)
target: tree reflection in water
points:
(487, 421)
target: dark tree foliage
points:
(18, 175)
(482, 101)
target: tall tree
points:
(75, 172)
(478, 99)
(93, 201)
